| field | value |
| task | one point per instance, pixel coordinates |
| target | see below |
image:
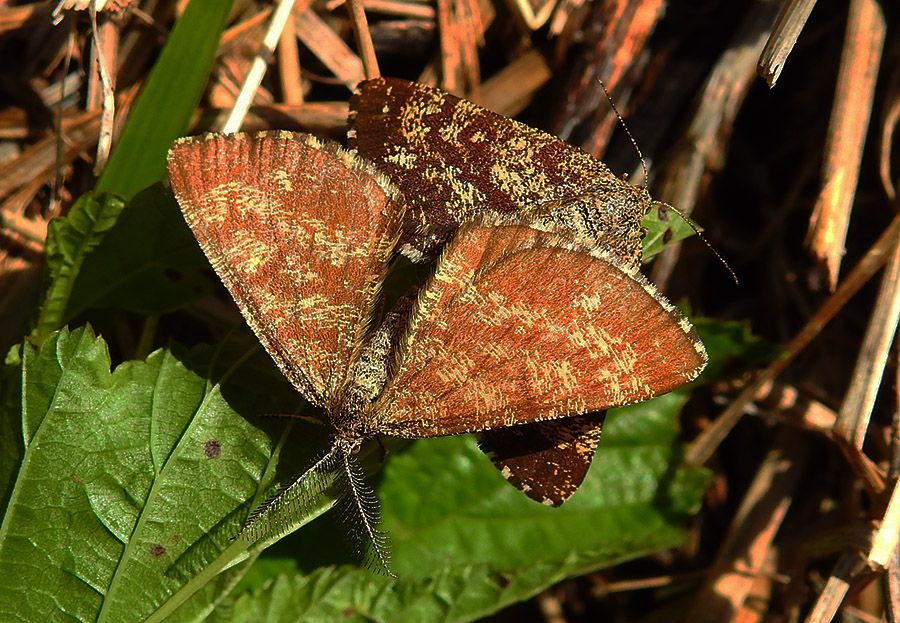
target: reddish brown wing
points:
(300, 233)
(546, 460)
(453, 160)
(450, 154)
(514, 328)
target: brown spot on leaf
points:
(173, 275)
(212, 449)
(157, 550)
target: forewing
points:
(455, 154)
(300, 232)
(453, 160)
(546, 460)
(518, 326)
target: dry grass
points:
(801, 519)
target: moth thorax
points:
(348, 418)
(586, 212)
(617, 220)
(365, 382)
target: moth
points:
(454, 160)
(517, 324)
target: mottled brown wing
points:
(515, 327)
(453, 160)
(455, 154)
(300, 232)
(546, 460)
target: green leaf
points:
(167, 101)
(132, 483)
(122, 510)
(70, 240)
(466, 544)
(216, 592)
(12, 448)
(352, 595)
(737, 349)
(664, 227)
(469, 513)
(138, 257)
(148, 263)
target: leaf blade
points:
(169, 98)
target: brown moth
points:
(453, 160)
(516, 325)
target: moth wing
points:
(300, 232)
(517, 325)
(546, 460)
(522, 170)
(451, 158)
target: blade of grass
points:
(168, 100)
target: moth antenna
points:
(309, 419)
(294, 500)
(700, 234)
(360, 509)
(612, 105)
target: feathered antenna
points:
(357, 504)
(359, 508)
(293, 501)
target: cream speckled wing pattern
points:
(300, 232)
(518, 325)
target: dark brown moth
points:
(453, 160)
(516, 325)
